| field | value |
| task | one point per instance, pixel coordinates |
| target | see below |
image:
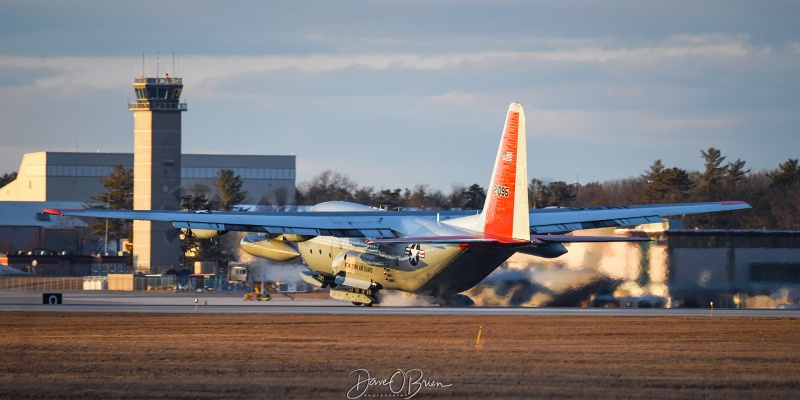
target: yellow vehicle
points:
(260, 292)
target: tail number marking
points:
(501, 191)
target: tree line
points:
(774, 194)
(334, 186)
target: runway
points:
(182, 303)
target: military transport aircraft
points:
(357, 250)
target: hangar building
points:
(65, 176)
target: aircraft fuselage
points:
(437, 270)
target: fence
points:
(44, 284)
(160, 282)
(165, 282)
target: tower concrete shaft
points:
(156, 170)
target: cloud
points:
(105, 72)
(347, 99)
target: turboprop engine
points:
(276, 248)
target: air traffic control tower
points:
(156, 169)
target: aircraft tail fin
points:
(505, 213)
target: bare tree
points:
(326, 186)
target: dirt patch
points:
(87, 355)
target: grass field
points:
(89, 355)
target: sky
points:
(399, 93)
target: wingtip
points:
(50, 211)
(736, 203)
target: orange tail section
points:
(505, 213)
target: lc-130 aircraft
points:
(357, 250)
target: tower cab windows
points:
(158, 92)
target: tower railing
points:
(158, 81)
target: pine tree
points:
(786, 174)
(711, 180)
(560, 193)
(656, 179)
(474, 197)
(389, 199)
(679, 184)
(735, 174)
(5, 179)
(118, 196)
(230, 189)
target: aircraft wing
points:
(371, 224)
(567, 219)
(341, 224)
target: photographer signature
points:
(405, 384)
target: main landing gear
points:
(356, 296)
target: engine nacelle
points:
(273, 249)
(207, 233)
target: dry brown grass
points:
(74, 355)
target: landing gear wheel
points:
(355, 303)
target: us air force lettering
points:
(358, 251)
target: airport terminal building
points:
(73, 176)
